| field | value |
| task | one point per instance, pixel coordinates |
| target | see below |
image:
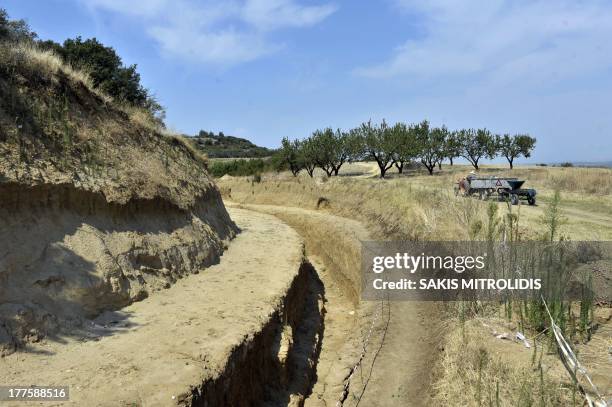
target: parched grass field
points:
(419, 206)
(474, 368)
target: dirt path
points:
(403, 345)
(586, 216)
(149, 353)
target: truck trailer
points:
(504, 188)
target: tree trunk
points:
(510, 161)
(400, 166)
(382, 169)
(451, 160)
(440, 165)
(430, 168)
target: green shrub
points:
(242, 167)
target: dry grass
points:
(592, 181)
(54, 124)
(391, 209)
(478, 369)
(189, 144)
(44, 64)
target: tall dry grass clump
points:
(33, 62)
(46, 66)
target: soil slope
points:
(98, 208)
(253, 318)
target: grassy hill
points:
(222, 146)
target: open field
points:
(586, 197)
(471, 364)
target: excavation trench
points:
(277, 365)
(373, 353)
(317, 335)
(333, 246)
(277, 322)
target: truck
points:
(504, 188)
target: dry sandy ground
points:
(403, 345)
(150, 352)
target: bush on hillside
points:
(102, 64)
(242, 167)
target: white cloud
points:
(217, 32)
(502, 40)
(227, 47)
(141, 8)
(273, 14)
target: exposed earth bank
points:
(243, 332)
(98, 206)
(69, 255)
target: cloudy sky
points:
(264, 69)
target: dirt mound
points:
(98, 208)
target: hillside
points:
(222, 146)
(98, 208)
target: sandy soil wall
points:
(67, 254)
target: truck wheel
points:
(531, 200)
(514, 199)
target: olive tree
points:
(378, 144)
(515, 146)
(441, 134)
(309, 155)
(406, 145)
(431, 145)
(452, 146)
(333, 149)
(477, 144)
(289, 153)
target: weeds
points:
(552, 218)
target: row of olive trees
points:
(399, 145)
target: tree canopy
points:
(14, 30)
(107, 71)
(515, 146)
(398, 145)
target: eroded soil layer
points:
(241, 332)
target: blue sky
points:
(265, 69)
